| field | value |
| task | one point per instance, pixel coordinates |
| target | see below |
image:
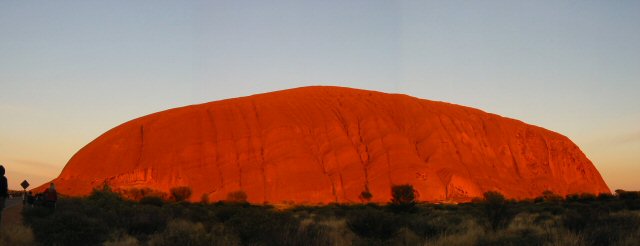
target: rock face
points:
(316, 145)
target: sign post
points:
(24, 185)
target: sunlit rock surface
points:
(316, 145)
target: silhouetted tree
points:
(369, 222)
(180, 193)
(152, 200)
(366, 196)
(403, 197)
(496, 209)
(549, 196)
(605, 197)
(204, 199)
(627, 195)
(237, 197)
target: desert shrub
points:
(403, 198)
(538, 199)
(104, 196)
(146, 220)
(204, 199)
(605, 197)
(496, 210)
(103, 205)
(574, 220)
(616, 205)
(521, 237)
(69, 228)
(405, 236)
(552, 208)
(16, 235)
(372, 223)
(309, 233)
(582, 197)
(468, 234)
(587, 197)
(611, 228)
(237, 197)
(628, 195)
(544, 218)
(34, 213)
(630, 198)
(137, 194)
(572, 198)
(181, 232)
(225, 212)
(120, 239)
(578, 216)
(77, 221)
(425, 225)
(263, 226)
(365, 196)
(152, 200)
(180, 193)
(195, 212)
(549, 196)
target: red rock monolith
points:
(318, 145)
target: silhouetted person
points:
(4, 191)
(30, 199)
(51, 196)
(39, 200)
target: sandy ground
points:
(11, 213)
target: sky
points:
(71, 70)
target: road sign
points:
(24, 184)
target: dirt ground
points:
(11, 214)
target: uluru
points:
(323, 144)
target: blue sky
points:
(71, 70)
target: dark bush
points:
(263, 226)
(428, 225)
(628, 195)
(226, 212)
(572, 198)
(365, 196)
(606, 197)
(137, 194)
(549, 196)
(403, 198)
(521, 237)
(497, 210)
(237, 197)
(630, 198)
(204, 199)
(69, 228)
(574, 221)
(580, 217)
(372, 223)
(104, 196)
(181, 193)
(608, 229)
(587, 197)
(181, 232)
(152, 200)
(146, 220)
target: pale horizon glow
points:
(70, 71)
